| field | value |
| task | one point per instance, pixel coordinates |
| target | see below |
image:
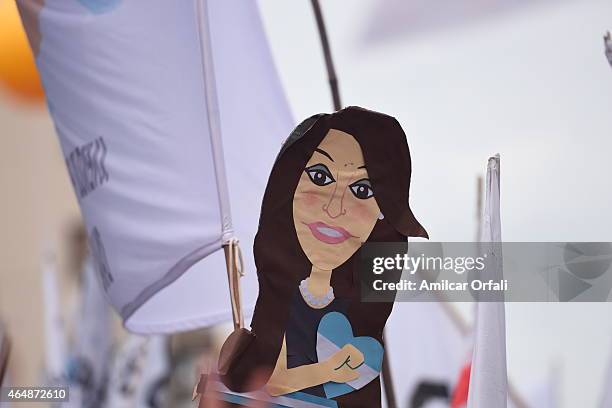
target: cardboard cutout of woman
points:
(340, 180)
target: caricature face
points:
(334, 208)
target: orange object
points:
(18, 73)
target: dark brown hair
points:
(280, 260)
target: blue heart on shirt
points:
(335, 332)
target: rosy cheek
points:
(309, 199)
(362, 212)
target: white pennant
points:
(488, 377)
(158, 105)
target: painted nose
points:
(335, 206)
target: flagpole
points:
(233, 257)
(214, 120)
(387, 379)
(329, 62)
(479, 183)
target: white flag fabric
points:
(488, 378)
(157, 104)
(427, 352)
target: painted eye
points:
(362, 189)
(320, 175)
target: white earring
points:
(381, 216)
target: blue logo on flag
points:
(100, 6)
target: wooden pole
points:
(335, 92)
(479, 201)
(233, 278)
(329, 62)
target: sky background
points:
(530, 82)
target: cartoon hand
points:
(343, 365)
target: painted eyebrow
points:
(324, 153)
(361, 167)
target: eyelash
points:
(362, 183)
(318, 170)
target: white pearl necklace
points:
(318, 302)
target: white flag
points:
(166, 111)
(427, 351)
(488, 378)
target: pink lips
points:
(327, 233)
